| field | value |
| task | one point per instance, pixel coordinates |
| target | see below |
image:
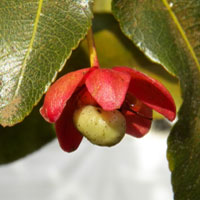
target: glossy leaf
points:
(24, 138)
(168, 33)
(36, 38)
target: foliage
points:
(37, 39)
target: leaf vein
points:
(30, 46)
(182, 32)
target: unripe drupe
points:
(104, 128)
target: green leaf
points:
(36, 39)
(24, 138)
(168, 33)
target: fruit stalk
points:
(92, 49)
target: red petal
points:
(108, 87)
(59, 93)
(68, 136)
(150, 92)
(139, 124)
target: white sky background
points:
(135, 169)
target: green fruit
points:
(104, 128)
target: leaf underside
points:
(36, 39)
(168, 33)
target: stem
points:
(92, 49)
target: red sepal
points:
(59, 93)
(150, 92)
(68, 136)
(108, 87)
(138, 124)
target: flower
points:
(131, 92)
